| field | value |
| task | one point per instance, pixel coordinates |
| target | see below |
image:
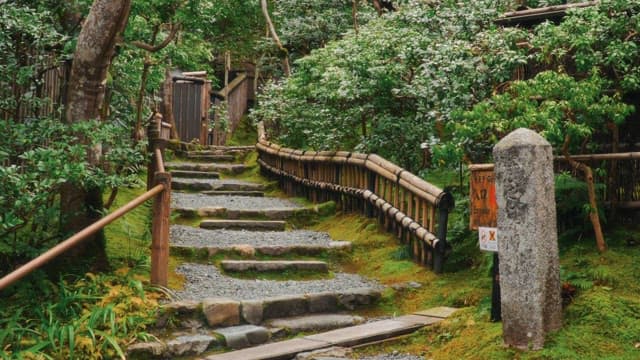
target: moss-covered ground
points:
(601, 320)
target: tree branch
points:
(274, 35)
(155, 48)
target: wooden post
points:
(160, 231)
(445, 205)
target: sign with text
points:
(488, 237)
(484, 208)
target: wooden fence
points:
(48, 89)
(416, 211)
(235, 98)
(620, 176)
(159, 190)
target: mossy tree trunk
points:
(86, 89)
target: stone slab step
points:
(274, 265)
(244, 336)
(319, 322)
(221, 212)
(195, 174)
(234, 193)
(222, 311)
(179, 346)
(350, 336)
(258, 225)
(197, 241)
(222, 168)
(210, 158)
(214, 184)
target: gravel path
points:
(194, 201)
(216, 181)
(195, 237)
(206, 281)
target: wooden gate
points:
(191, 106)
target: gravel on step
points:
(182, 235)
(206, 281)
(194, 201)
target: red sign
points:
(484, 208)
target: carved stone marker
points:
(528, 247)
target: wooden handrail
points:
(159, 162)
(161, 190)
(74, 240)
(405, 203)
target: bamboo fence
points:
(415, 210)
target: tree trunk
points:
(94, 50)
(354, 15)
(594, 217)
(276, 38)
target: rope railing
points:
(415, 210)
(159, 190)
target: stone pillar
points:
(528, 243)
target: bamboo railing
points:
(621, 178)
(159, 188)
(416, 211)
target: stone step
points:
(203, 242)
(233, 193)
(274, 265)
(214, 184)
(195, 174)
(182, 345)
(220, 151)
(222, 168)
(244, 336)
(218, 311)
(315, 322)
(210, 158)
(258, 225)
(198, 340)
(349, 336)
(224, 213)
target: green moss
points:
(129, 238)
(245, 134)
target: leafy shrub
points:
(36, 158)
(93, 318)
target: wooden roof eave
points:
(529, 16)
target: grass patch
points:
(129, 238)
(601, 322)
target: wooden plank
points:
(373, 331)
(274, 351)
(442, 312)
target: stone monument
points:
(528, 246)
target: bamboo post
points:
(153, 134)
(445, 205)
(160, 231)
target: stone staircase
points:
(251, 277)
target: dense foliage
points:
(401, 81)
(387, 88)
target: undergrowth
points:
(600, 314)
(94, 316)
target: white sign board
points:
(488, 237)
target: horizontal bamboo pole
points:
(398, 216)
(74, 240)
(584, 157)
